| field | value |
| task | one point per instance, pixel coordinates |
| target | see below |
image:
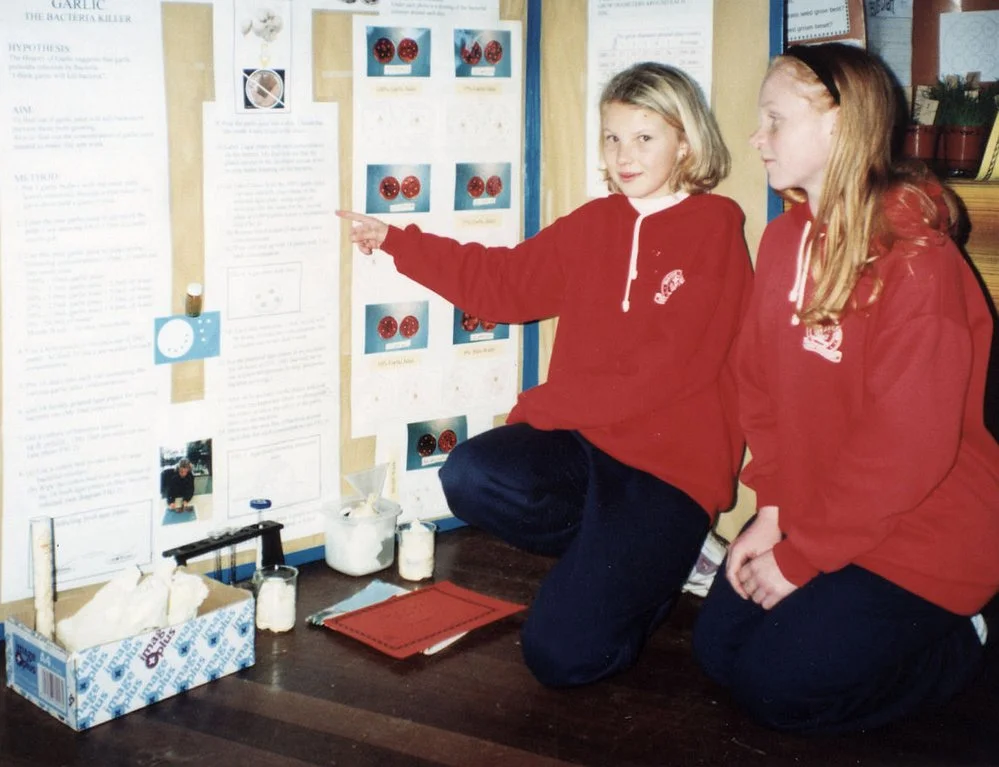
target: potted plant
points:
(919, 141)
(917, 133)
(965, 114)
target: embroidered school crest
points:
(670, 283)
(824, 340)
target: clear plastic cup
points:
(416, 550)
(360, 544)
(360, 529)
(276, 592)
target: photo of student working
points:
(618, 463)
(186, 482)
(854, 596)
(179, 485)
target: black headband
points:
(814, 61)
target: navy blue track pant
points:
(848, 651)
(625, 543)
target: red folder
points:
(410, 623)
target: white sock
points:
(980, 628)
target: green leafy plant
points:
(962, 103)
(988, 98)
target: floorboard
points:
(315, 697)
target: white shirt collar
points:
(649, 205)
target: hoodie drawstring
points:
(797, 294)
(632, 265)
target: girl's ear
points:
(831, 119)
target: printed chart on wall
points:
(93, 435)
(85, 269)
(437, 143)
(271, 163)
(625, 32)
(889, 35)
(817, 19)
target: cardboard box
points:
(98, 684)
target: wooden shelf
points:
(981, 199)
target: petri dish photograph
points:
(264, 88)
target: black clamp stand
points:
(271, 552)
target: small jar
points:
(276, 591)
(416, 550)
(193, 299)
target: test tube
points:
(43, 571)
(260, 505)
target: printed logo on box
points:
(25, 656)
(154, 650)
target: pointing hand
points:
(367, 232)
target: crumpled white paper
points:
(131, 604)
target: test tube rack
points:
(269, 532)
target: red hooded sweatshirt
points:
(648, 305)
(869, 435)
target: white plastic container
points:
(358, 545)
(360, 530)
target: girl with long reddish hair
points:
(853, 596)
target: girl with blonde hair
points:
(617, 464)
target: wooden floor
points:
(316, 697)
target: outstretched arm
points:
(506, 284)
